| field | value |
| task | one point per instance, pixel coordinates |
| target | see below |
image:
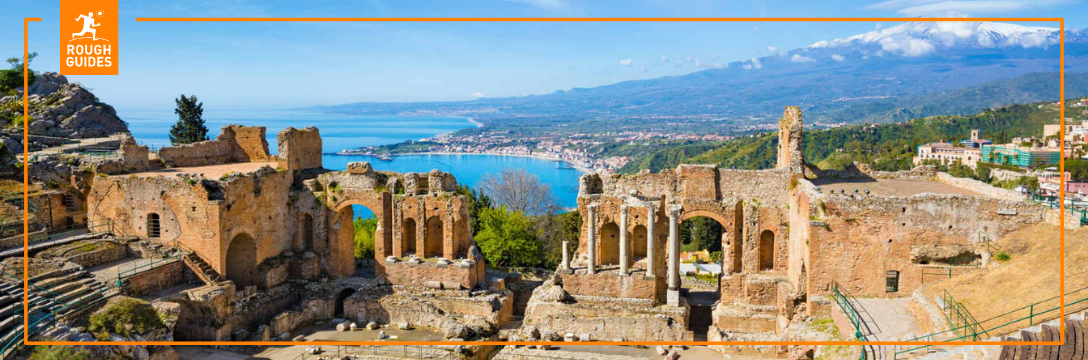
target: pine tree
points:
(190, 126)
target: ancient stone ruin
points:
(269, 240)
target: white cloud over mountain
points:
(919, 38)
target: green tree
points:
(552, 230)
(699, 233)
(12, 78)
(364, 237)
(508, 239)
(190, 127)
(477, 201)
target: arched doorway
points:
(701, 243)
(610, 244)
(433, 240)
(766, 250)
(338, 307)
(241, 261)
(638, 243)
(408, 237)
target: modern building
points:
(1049, 183)
(967, 152)
(1022, 156)
(948, 153)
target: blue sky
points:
(281, 65)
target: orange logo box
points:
(88, 37)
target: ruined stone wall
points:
(198, 153)
(247, 143)
(610, 320)
(789, 141)
(431, 309)
(418, 275)
(611, 285)
(855, 240)
(980, 187)
(235, 143)
(146, 282)
(256, 207)
(101, 255)
(299, 149)
(187, 211)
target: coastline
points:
(538, 157)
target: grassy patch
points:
(125, 316)
(56, 352)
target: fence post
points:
(1031, 316)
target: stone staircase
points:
(201, 268)
(11, 311)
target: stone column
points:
(623, 240)
(591, 244)
(566, 256)
(673, 294)
(650, 220)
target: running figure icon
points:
(88, 25)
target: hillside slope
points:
(887, 146)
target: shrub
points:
(12, 78)
(1002, 256)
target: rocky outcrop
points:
(63, 109)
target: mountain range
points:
(911, 70)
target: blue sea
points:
(339, 132)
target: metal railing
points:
(958, 317)
(122, 275)
(1026, 316)
(57, 234)
(842, 299)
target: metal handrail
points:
(843, 301)
(1030, 318)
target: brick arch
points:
(380, 204)
(434, 238)
(609, 244)
(767, 249)
(241, 261)
(341, 229)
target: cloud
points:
(477, 95)
(957, 8)
(837, 57)
(626, 62)
(756, 28)
(544, 4)
(772, 49)
(797, 58)
(753, 64)
(906, 46)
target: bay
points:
(339, 132)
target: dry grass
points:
(1030, 275)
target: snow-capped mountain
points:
(924, 37)
(913, 69)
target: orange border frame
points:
(1061, 199)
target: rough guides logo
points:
(88, 37)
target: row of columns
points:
(674, 211)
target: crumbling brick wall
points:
(299, 149)
(236, 143)
(854, 240)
